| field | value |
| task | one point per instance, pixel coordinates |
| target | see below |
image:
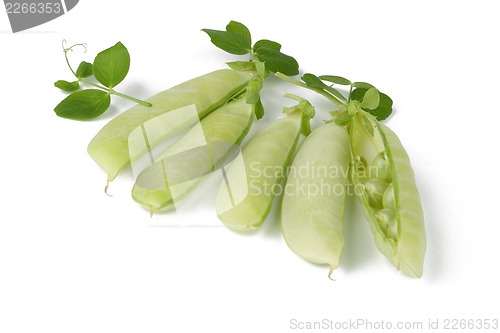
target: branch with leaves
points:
(110, 67)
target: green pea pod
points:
(312, 210)
(110, 147)
(403, 239)
(177, 171)
(251, 183)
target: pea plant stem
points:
(138, 101)
(303, 85)
(114, 92)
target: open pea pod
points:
(312, 210)
(203, 149)
(252, 182)
(110, 147)
(389, 194)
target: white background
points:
(75, 260)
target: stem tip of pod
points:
(106, 189)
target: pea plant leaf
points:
(384, 108)
(234, 40)
(253, 90)
(335, 79)
(112, 65)
(109, 68)
(241, 65)
(67, 86)
(363, 85)
(278, 62)
(370, 99)
(84, 70)
(83, 104)
(241, 30)
(316, 82)
(259, 109)
(267, 43)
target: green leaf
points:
(253, 91)
(313, 81)
(261, 70)
(371, 99)
(84, 70)
(229, 41)
(267, 43)
(83, 104)
(259, 110)
(306, 125)
(277, 61)
(335, 79)
(362, 85)
(67, 86)
(242, 65)
(240, 29)
(112, 65)
(384, 108)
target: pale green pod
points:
(312, 210)
(202, 150)
(407, 242)
(110, 147)
(252, 182)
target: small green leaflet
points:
(112, 65)
(84, 70)
(235, 40)
(241, 30)
(384, 108)
(242, 65)
(370, 99)
(335, 79)
(67, 86)
(253, 90)
(259, 109)
(362, 85)
(84, 104)
(278, 62)
(267, 43)
(314, 81)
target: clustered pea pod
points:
(250, 185)
(203, 149)
(110, 147)
(312, 210)
(390, 198)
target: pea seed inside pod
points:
(361, 168)
(392, 232)
(380, 167)
(375, 189)
(388, 199)
(385, 217)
